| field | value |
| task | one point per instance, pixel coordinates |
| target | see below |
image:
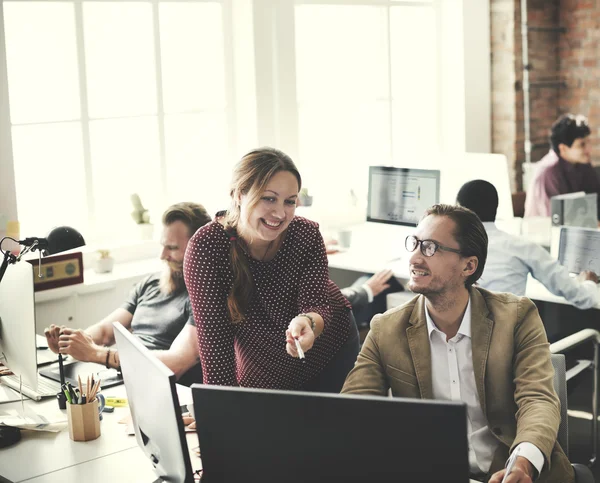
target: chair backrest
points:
(560, 386)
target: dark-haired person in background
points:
(565, 169)
(157, 310)
(458, 342)
(510, 259)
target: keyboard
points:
(46, 387)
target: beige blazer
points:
(511, 360)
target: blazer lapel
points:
(481, 336)
(420, 350)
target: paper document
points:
(54, 422)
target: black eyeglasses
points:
(428, 247)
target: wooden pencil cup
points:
(84, 421)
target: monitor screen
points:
(400, 196)
(154, 406)
(17, 323)
(579, 249)
(274, 436)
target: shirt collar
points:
(465, 325)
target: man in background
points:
(565, 169)
(368, 293)
(458, 342)
(157, 309)
(510, 258)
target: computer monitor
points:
(400, 196)
(154, 406)
(274, 436)
(579, 249)
(17, 323)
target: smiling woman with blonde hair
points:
(259, 286)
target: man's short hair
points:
(566, 129)
(481, 197)
(193, 215)
(470, 235)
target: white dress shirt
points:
(453, 379)
(510, 259)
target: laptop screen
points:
(275, 436)
(579, 249)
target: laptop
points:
(579, 249)
(155, 410)
(110, 377)
(44, 355)
(274, 436)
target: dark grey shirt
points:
(157, 318)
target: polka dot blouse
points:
(252, 353)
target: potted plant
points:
(142, 217)
(104, 263)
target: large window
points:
(367, 87)
(110, 98)
(160, 97)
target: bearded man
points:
(157, 309)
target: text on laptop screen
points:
(400, 195)
(579, 249)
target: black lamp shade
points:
(63, 238)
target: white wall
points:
(8, 199)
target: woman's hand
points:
(300, 330)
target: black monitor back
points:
(155, 409)
(275, 436)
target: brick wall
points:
(579, 50)
(565, 74)
(507, 80)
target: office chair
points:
(582, 473)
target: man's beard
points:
(171, 279)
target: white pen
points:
(511, 463)
(299, 349)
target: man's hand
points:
(80, 345)
(52, 334)
(299, 329)
(378, 282)
(522, 472)
(587, 275)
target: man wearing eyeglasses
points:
(565, 169)
(458, 342)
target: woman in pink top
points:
(258, 280)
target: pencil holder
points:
(84, 421)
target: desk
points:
(41, 455)
(53, 457)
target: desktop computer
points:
(18, 343)
(400, 196)
(155, 410)
(17, 334)
(273, 436)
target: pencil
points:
(80, 386)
